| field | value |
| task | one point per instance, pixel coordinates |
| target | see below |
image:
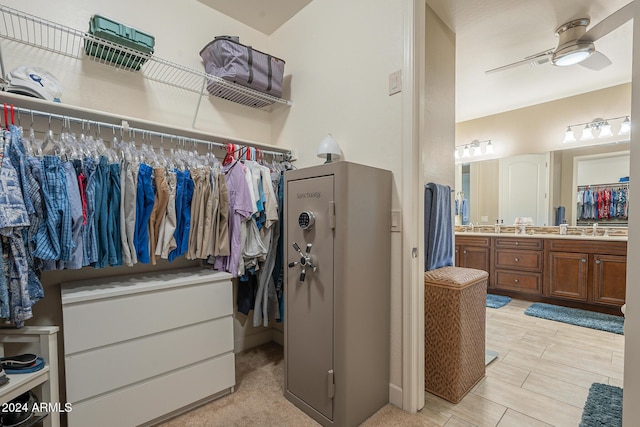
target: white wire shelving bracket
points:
(40, 33)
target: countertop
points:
(545, 236)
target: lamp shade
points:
(605, 130)
(329, 148)
(625, 127)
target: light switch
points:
(395, 82)
(396, 220)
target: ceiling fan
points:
(575, 43)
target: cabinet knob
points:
(517, 280)
(517, 243)
(516, 259)
(583, 260)
(464, 252)
(598, 261)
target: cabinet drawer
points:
(473, 240)
(516, 259)
(519, 281)
(520, 243)
(588, 246)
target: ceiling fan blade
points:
(596, 62)
(608, 24)
(533, 60)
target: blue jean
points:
(144, 206)
(54, 238)
(101, 213)
(113, 225)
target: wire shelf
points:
(40, 33)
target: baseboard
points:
(395, 395)
(256, 339)
(278, 336)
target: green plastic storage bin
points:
(123, 35)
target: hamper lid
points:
(454, 277)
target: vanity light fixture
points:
(600, 128)
(473, 149)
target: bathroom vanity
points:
(574, 270)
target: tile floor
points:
(541, 376)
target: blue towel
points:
(438, 230)
(560, 215)
(465, 211)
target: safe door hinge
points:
(331, 387)
(332, 215)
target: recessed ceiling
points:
(263, 15)
(491, 33)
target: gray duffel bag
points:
(229, 59)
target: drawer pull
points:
(517, 243)
(516, 259)
(517, 281)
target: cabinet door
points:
(309, 303)
(475, 257)
(457, 257)
(609, 279)
(568, 273)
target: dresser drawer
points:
(516, 259)
(518, 281)
(519, 243)
(472, 240)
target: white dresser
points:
(140, 347)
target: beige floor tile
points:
(582, 360)
(567, 351)
(507, 373)
(556, 370)
(512, 418)
(529, 403)
(519, 345)
(457, 422)
(557, 389)
(616, 382)
(478, 411)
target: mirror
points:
(535, 185)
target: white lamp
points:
(329, 148)
(489, 148)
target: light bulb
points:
(489, 148)
(465, 152)
(587, 134)
(625, 127)
(605, 130)
(569, 135)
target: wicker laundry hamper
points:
(454, 323)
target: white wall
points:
(602, 170)
(340, 54)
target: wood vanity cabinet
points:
(590, 271)
(518, 264)
(473, 252)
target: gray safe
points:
(337, 220)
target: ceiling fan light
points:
(587, 134)
(572, 54)
(605, 130)
(625, 127)
(569, 135)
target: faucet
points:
(471, 225)
(595, 228)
